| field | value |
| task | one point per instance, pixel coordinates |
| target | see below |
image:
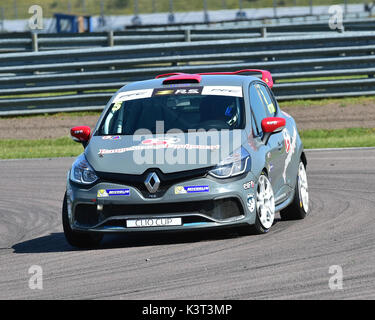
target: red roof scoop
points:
(183, 78)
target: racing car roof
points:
(235, 78)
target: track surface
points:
(292, 261)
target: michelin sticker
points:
(103, 193)
(191, 189)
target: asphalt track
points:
(291, 262)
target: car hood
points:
(169, 152)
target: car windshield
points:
(162, 112)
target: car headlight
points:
(234, 165)
(81, 171)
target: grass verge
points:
(43, 148)
(338, 138)
(342, 102)
(65, 147)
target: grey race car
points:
(186, 151)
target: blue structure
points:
(69, 23)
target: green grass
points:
(321, 79)
(338, 138)
(120, 7)
(46, 116)
(65, 147)
(43, 148)
(324, 102)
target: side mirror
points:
(81, 134)
(272, 125)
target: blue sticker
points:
(118, 192)
(228, 112)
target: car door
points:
(263, 106)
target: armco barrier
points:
(84, 79)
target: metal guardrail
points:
(21, 42)
(85, 79)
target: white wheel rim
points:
(265, 202)
(303, 187)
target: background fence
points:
(330, 64)
(116, 14)
(25, 41)
(18, 9)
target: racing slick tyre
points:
(299, 208)
(265, 205)
(78, 239)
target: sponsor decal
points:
(131, 95)
(271, 108)
(116, 106)
(234, 91)
(250, 201)
(191, 189)
(286, 140)
(102, 193)
(176, 91)
(270, 123)
(160, 141)
(292, 148)
(158, 146)
(248, 185)
(111, 137)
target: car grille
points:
(166, 179)
(222, 209)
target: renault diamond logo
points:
(152, 182)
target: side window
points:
(268, 101)
(258, 108)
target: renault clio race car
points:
(186, 151)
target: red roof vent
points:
(182, 78)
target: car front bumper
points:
(198, 203)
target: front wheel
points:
(299, 208)
(78, 239)
(265, 205)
